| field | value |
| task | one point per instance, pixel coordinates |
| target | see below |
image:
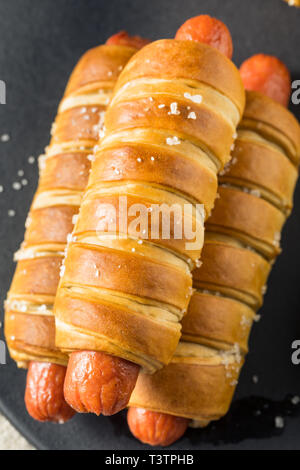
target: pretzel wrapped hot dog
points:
(169, 130)
(64, 170)
(242, 241)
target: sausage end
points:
(44, 396)
(99, 383)
(156, 429)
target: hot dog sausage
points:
(156, 429)
(44, 396)
(208, 30)
(148, 426)
(268, 75)
(123, 39)
(108, 381)
(99, 383)
(104, 375)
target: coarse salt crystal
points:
(174, 109)
(192, 115)
(255, 192)
(5, 138)
(16, 186)
(11, 213)
(53, 128)
(42, 308)
(172, 141)
(295, 400)
(279, 422)
(277, 237)
(28, 221)
(31, 160)
(264, 289)
(195, 98)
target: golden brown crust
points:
(200, 388)
(169, 170)
(127, 273)
(242, 237)
(169, 58)
(226, 271)
(273, 120)
(98, 211)
(67, 171)
(253, 220)
(168, 131)
(208, 130)
(64, 171)
(256, 165)
(36, 276)
(91, 70)
(217, 321)
(135, 332)
(52, 223)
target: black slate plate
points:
(40, 43)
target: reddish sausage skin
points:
(268, 75)
(208, 30)
(99, 383)
(44, 396)
(156, 429)
(123, 39)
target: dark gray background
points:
(40, 42)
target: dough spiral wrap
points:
(64, 170)
(241, 243)
(168, 131)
